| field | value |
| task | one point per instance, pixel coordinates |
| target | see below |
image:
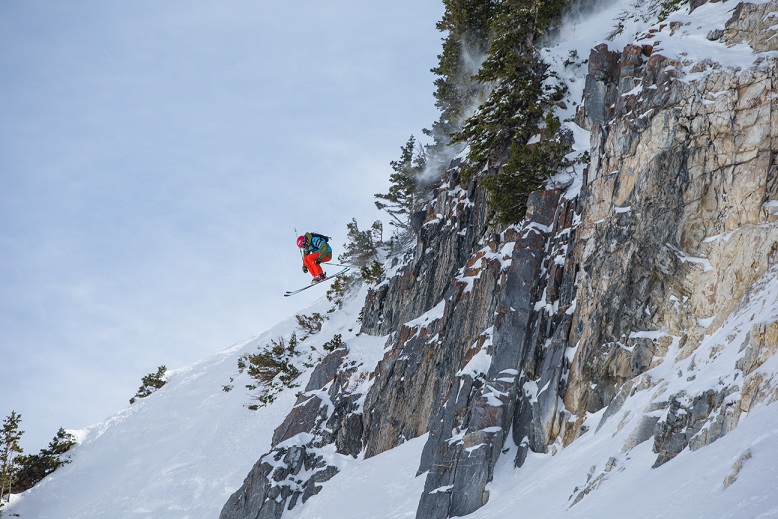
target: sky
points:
(155, 161)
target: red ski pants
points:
(310, 262)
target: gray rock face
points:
(600, 91)
(449, 231)
(683, 426)
(468, 433)
(655, 194)
(424, 354)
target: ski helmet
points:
(301, 241)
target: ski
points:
(293, 292)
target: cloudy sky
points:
(155, 160)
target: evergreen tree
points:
(526, 170)
(150, 383)
(35, 467)
(512, 110)
(272, 368)
(334, 344)
(398, 202)
(518, 107)
(371, 273)
(10, 435)
(338, 290)
(361, 246)
(467, 24)
(311, 324)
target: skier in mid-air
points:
(316, 251)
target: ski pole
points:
(302, 256)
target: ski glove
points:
(318, 261)
(305, 269)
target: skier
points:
(315, 251)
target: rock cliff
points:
(624, 285)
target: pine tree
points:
(512, 110)
(399, 201)
(467, 24)
(362, 246)
(9, 450)
(519, 106)
(272, 368)
(34, 467)
(150, 383)
(372, 272)
(526, 170)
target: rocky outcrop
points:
(424, 353)
(449, 229)
(323, 423)
(753, 24)
(470, 428)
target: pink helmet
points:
(301, 241)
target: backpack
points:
(323, 237)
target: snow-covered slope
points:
(182, 451)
